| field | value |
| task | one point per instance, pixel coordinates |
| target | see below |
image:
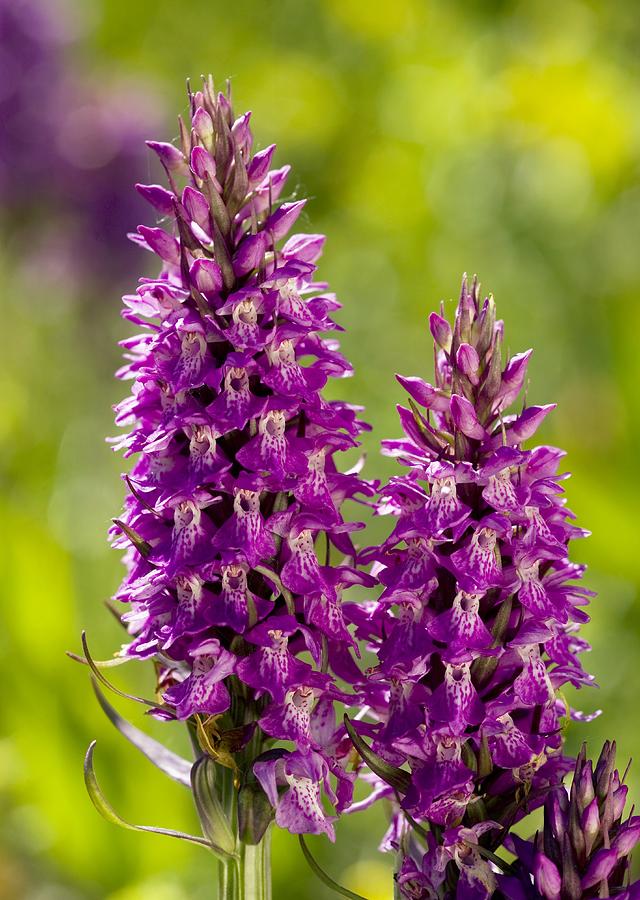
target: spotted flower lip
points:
(298, 808)
(237, 484)
(479, 603)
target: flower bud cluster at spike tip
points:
(584, 849)
(236, 482)
(475, 629)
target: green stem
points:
(247, 877)
(255, 870)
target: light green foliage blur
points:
(433, 138)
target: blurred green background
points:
(434, 138)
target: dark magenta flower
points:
(475, 626)
(237, 481)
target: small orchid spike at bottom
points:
(585, 842)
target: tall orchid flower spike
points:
(475, 629)
(235, 486)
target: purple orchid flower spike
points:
(477, 614)
(236, 483)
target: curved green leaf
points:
(210, 812)
(322, 875)
(100, 663)
(108, 812)
(397, 778)
(101, 678)
(168, 762)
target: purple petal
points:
(465, 418)
(600, 867)
(159, 197)
(526, 425)
(249, 254)
(546, 876)
(203, 125)
(279, 223)
(206, 274)
(170, 157)
(161, 243)
(512, 379)
(202, 163)
(259, 165)
(441, 331)
(197, 206)
(424, 394)
(468, 362)
(304, 247)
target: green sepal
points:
(239, 184)
(399, 779)
(322, 875)
(485, 763)
(433, 439)
(185, 137)
(222, 256)
(215, 824)
(482, 669)
(468, 757)
(168, 762)
(255, 813)
(108, 812)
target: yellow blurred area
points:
(433, 137)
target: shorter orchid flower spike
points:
(475, 627)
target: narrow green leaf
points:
(485, 762)
(502, 620)
(139, 497)
(432, 438)
(502, 864)
(101, 678)
(417, 827)
(397, 778)
(468, 756)
(322, 875)
(170, 763)
(142, 546)
(210, 812)
(100, 663)
(483, 667)
(108, 812)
